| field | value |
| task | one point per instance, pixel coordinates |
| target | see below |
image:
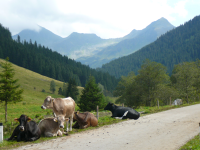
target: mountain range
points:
(92, 50)
(178, 45)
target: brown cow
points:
(61, 106)
(84, 120)
(50, 126)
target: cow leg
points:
(48, 134)
(59, 133)
(15, 133)
(71, 122)
(67, 124)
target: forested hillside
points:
(178, 45)
(46, 62)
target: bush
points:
(43, 90)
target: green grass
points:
(193, 144)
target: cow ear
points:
(55, 119)
(16, 119)
(29, 119)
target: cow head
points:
(48, 102)
(75, 115)
(61, 120)
(109, 106)
(23, 119)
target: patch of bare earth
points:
(166, 130)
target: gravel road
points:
(166, 130)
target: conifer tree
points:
(9, 91)
(91, 96)
(72, 90)
(52, 86)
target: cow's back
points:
(94, 120)
(132, 114)
(48, 125)
(64, 106)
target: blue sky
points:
(105, 18)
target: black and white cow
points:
(27, 130)
(119, 111)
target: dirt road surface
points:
(166, 130)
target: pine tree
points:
(52, 86)
(8, 89)
(72, 90)
(60, 91)
(91, 96)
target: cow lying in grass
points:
(124, 112)
(27, 130)
(84, 120)
(51, 126)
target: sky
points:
(105, 18)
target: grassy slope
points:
(33, 98)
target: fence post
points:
(1, 132)
(158, 104)
(170, 101)
(97, 112)
(122, 104)
(199, 130)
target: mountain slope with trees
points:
(178, 45)
(49, 63)
(129, 44)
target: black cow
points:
(27, 130)
(119, 111)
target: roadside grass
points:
(193, 144)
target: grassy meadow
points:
(33, 97)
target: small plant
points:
(43, 90)
(24, 103)
(37, 115)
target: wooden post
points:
(170, 101)
(97, 112)
(122, 104)
(158, 104)
(199, 130)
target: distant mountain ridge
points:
(129, 43)
(90, 49)
(178, 45)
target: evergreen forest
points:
(44, 61)
(178, 45)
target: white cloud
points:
(106, 18)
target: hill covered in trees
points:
(178, 45)
(49, 63)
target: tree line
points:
(49, 63)
(153, 83)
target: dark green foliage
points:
(44, 61)
(72, 90)
(53, 86)
(9, 91)
(142, 89)
(178, 45)
(91, 96)
(60, 91)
